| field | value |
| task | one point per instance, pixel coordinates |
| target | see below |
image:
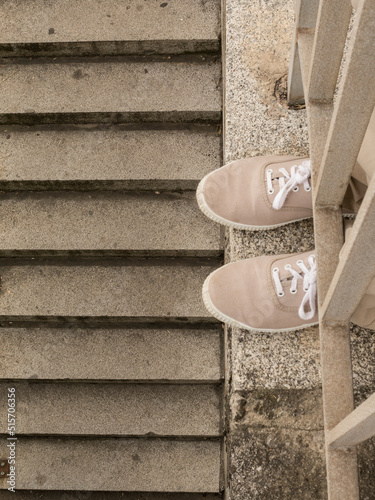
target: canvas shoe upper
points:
(258, 193)
(268, 293)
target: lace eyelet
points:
(269, 171)
(299, 261)
(305, 289)
(275, 270)
(287, 267)
(293, 291)
(308, 189)
(271, 191)
(295, 189)
(280, 294)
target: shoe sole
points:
(225, 222)
(232, 322)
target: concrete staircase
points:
(110, 114)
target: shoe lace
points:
(298, 175)
(309, 285)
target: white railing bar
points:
(342, 475)
(357, 427)
(356, 268)
(306, 14)
(318, 115)
(328, 224)
(352, 111)
(337, 374)
(329, 237)
(295, 84)
(330, 35)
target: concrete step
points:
(104, 495)
(108, 27)
(111, 91)
(114, 409)
(87, 157)
(106, 293)
(143, 355)
(112, 464)
(111, 223)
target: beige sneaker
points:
(268, 293)
(258, 193)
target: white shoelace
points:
(309, 285)
(298, 175)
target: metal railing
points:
(336, 81)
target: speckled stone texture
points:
(275, 429)
(258, 41)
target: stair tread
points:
(111, 354)
(114, 409)
(117, 89)
(135, 224)
(117, 464)
(113, 156)
(71, 21)
(143, 293)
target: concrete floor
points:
(275, 426)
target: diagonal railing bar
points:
(331, 30)
(357, 427)
(352, 111)
(306, 14)
(354, 272)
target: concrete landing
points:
(276, 433)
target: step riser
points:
(115, 48)
(197, 117)
(103, 321)
(163, 186)
(104, 495)
(213, 255)
(135, 410)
